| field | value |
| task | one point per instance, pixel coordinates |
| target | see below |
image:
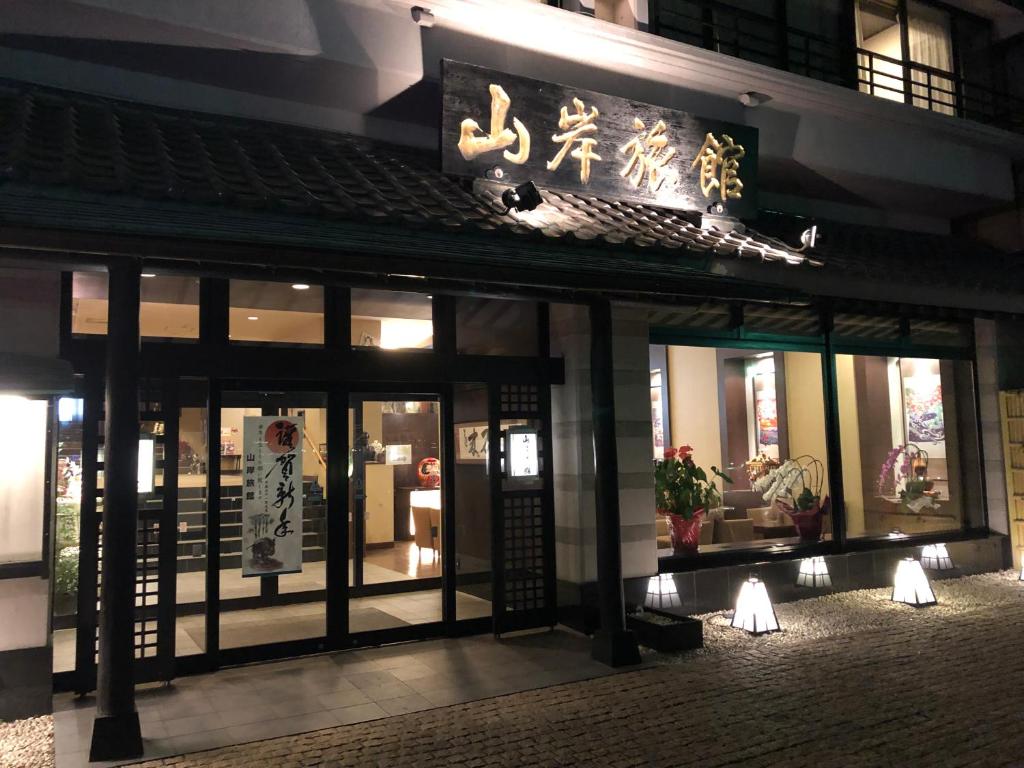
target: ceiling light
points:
(662, 592)
(911, 584)
(148, 274)
(935, 557)
(814, 573)
(422, 16)
(252, 317)
(754, 612)
(300, 286)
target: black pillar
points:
(116, 733)
(613, 643)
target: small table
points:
(774, 530)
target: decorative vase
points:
(808, 522)
(685, 533)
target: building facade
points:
(300, 363)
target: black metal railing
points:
(717, 26)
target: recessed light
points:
(300, 286)
(148, 274)
(252, 317)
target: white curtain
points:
(929, 38)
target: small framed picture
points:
(471, 443)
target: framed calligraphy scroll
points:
(272, 495)
(514, 129)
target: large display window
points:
(749, 462)
(909, 444)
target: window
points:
(168, 305)
(883, 58)
(89, 302)
(392, 319)
(282, 313)
(495, 326)
(909, 444)
(759, 417)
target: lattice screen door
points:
(155, 554)
(523, 526)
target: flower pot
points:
(809, 521)
(685, 532)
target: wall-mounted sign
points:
(272, 495)
(147, 464)
(523, 458)
(513, 129)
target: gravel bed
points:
(27, 743)
(847, 613)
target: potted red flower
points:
(684, 494)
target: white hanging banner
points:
(272, 495)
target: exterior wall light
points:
(813, 573)
(753, 98)
(935, 557)
(911, 585)
(754, 612)
(662, 592)
(300, 286)
(525, 197)
(422, 16)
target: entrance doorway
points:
(413, 516)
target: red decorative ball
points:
(428, 471)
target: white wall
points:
(849, 433)
(693, 402)
(805, 409)
(24, 608)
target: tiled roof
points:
(305, 182)
(56, 138)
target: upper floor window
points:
(913, 51)
(917, 52)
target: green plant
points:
(65, 573)
(681, 487)
(67, 525)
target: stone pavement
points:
(892, 685)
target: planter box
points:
(682, 634)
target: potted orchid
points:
(684, 494)
(794, 488)
(917, 493)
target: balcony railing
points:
(717, 26)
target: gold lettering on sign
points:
(574, 127)
(471, 145)
(720, 166)
(649, 154)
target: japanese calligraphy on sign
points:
(272, 495)
(593, 144)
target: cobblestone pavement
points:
(853, 681)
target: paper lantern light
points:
(754, 612)
(662, 592)
(911, 585)
(935, 557)
(814, 573)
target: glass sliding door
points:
(396, 511)
(273, 522)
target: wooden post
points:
(116, 733)
(613, 643)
